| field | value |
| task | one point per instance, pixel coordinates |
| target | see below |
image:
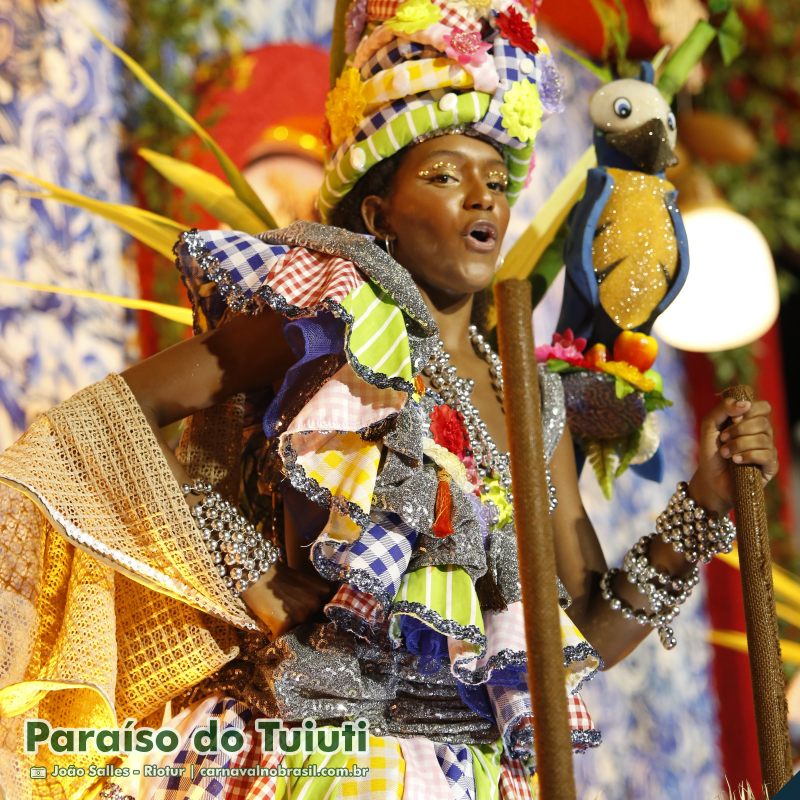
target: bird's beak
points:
(647, 146)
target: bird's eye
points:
(623, 107)
(671, 121)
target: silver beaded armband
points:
(240, 552)
(693, 531)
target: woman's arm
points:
(246, 354)
(579, 558)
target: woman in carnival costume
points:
(333, 539)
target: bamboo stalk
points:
(537, 563)
(769, 692)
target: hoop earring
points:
(388, 245)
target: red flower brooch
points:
(517, 30)
(448, 431)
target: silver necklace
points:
(456, 392)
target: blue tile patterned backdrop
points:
(58, 120)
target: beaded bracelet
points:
(693, 531)
(657, 619)
(240, 552)
(661, 588)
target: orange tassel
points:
(419, 385)
(443, 510)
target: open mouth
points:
(481, 236)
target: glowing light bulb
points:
(731, 294)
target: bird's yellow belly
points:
(634, 252)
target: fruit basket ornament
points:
(610, 401)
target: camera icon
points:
(38, 772)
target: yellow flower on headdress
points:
(522, 111)
(414, 15)
(621, 369)
(345, 104)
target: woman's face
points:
(446, 214)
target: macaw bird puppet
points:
(626, 252)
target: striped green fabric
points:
(447, 590)
(378, 338)
(309, 784)
(341, 175)
(518, 163)
(486, 769)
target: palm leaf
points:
(604, 74)
(684, 59)
(736, 640)
(206, 189)
(243, 190)
(151, 229)
(173, 313)
(786, 585)
(338, 55)
(604, 460)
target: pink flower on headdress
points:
(354, 24)
(466, 47)
(516, 30)
(532, 5)
(564, 347)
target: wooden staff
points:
(769, 692)
(537, 562)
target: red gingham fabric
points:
(304, 278)
(359, 603)
(453, 19)
(514, 780)
(382, 9)
(262, 787)
(579, 719)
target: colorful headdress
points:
(417, 67)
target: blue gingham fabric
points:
(506, 61)
(456, 764)
(247, 260)
(374, 563)
(394, 53)
(229, 713)
(510, 706)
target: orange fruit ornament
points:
(596, 356)
(637, 349)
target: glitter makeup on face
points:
(438, 168)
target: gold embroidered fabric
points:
(109, 602)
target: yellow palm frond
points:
(206, 189)
(243, 190)
(170, 312)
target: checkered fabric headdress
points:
(420, 67)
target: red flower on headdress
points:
(448, 431)
(466, 47)
(517, 30)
